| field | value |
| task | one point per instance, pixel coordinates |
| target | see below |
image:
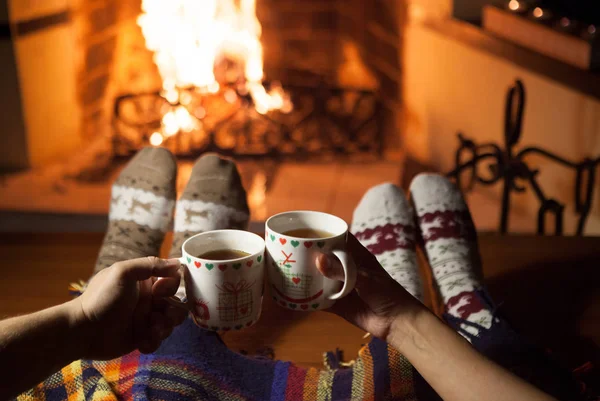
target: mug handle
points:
(174, 301)
(349, 273)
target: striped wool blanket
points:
(195, 364)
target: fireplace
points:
(274, 83)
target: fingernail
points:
(330, 261)
(172, 262)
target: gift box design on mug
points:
(223, 273)
(235, 301)
(297, 285)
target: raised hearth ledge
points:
(587, 82)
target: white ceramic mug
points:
(223, 295)
(295, 281)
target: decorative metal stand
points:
(324, 121)
(508, 165)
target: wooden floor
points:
(549, 286)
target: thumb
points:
(143, 268)
(330, 267)
(373, 283)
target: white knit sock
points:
(383, 223)
(450, 243)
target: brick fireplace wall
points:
(376, 27)
(321, 36)
(299, 41)
(114, 59)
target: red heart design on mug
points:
(304, 307)
(243, 310)
(249, 263)
(296, 280)
(222, 267)
(308, 244)
(282, 240)
(197, 264)
(282, 303)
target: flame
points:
(189, 36)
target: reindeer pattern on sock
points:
(467, 305)
(190, 214)
(142, 207)
(387, 238)
(447, 224)
(200, 216)
(136, 203)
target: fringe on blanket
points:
(76, 289)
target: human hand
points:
(124, 307)
(378, 300)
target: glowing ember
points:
(178, 119)
(156, 139)
(188, 37)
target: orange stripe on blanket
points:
(368, 382)
(112, 371)
(311, 384)
(73, 381)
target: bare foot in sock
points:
(383, 223)
(213, 199)
(141, 207)
(450, 244)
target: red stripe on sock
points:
(464, 304)
(389, 237)
(447, 224)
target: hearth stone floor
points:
(38, 201)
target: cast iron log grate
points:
(324, 121)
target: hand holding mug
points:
(124, 307)
(378, 300)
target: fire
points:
(189, 37)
